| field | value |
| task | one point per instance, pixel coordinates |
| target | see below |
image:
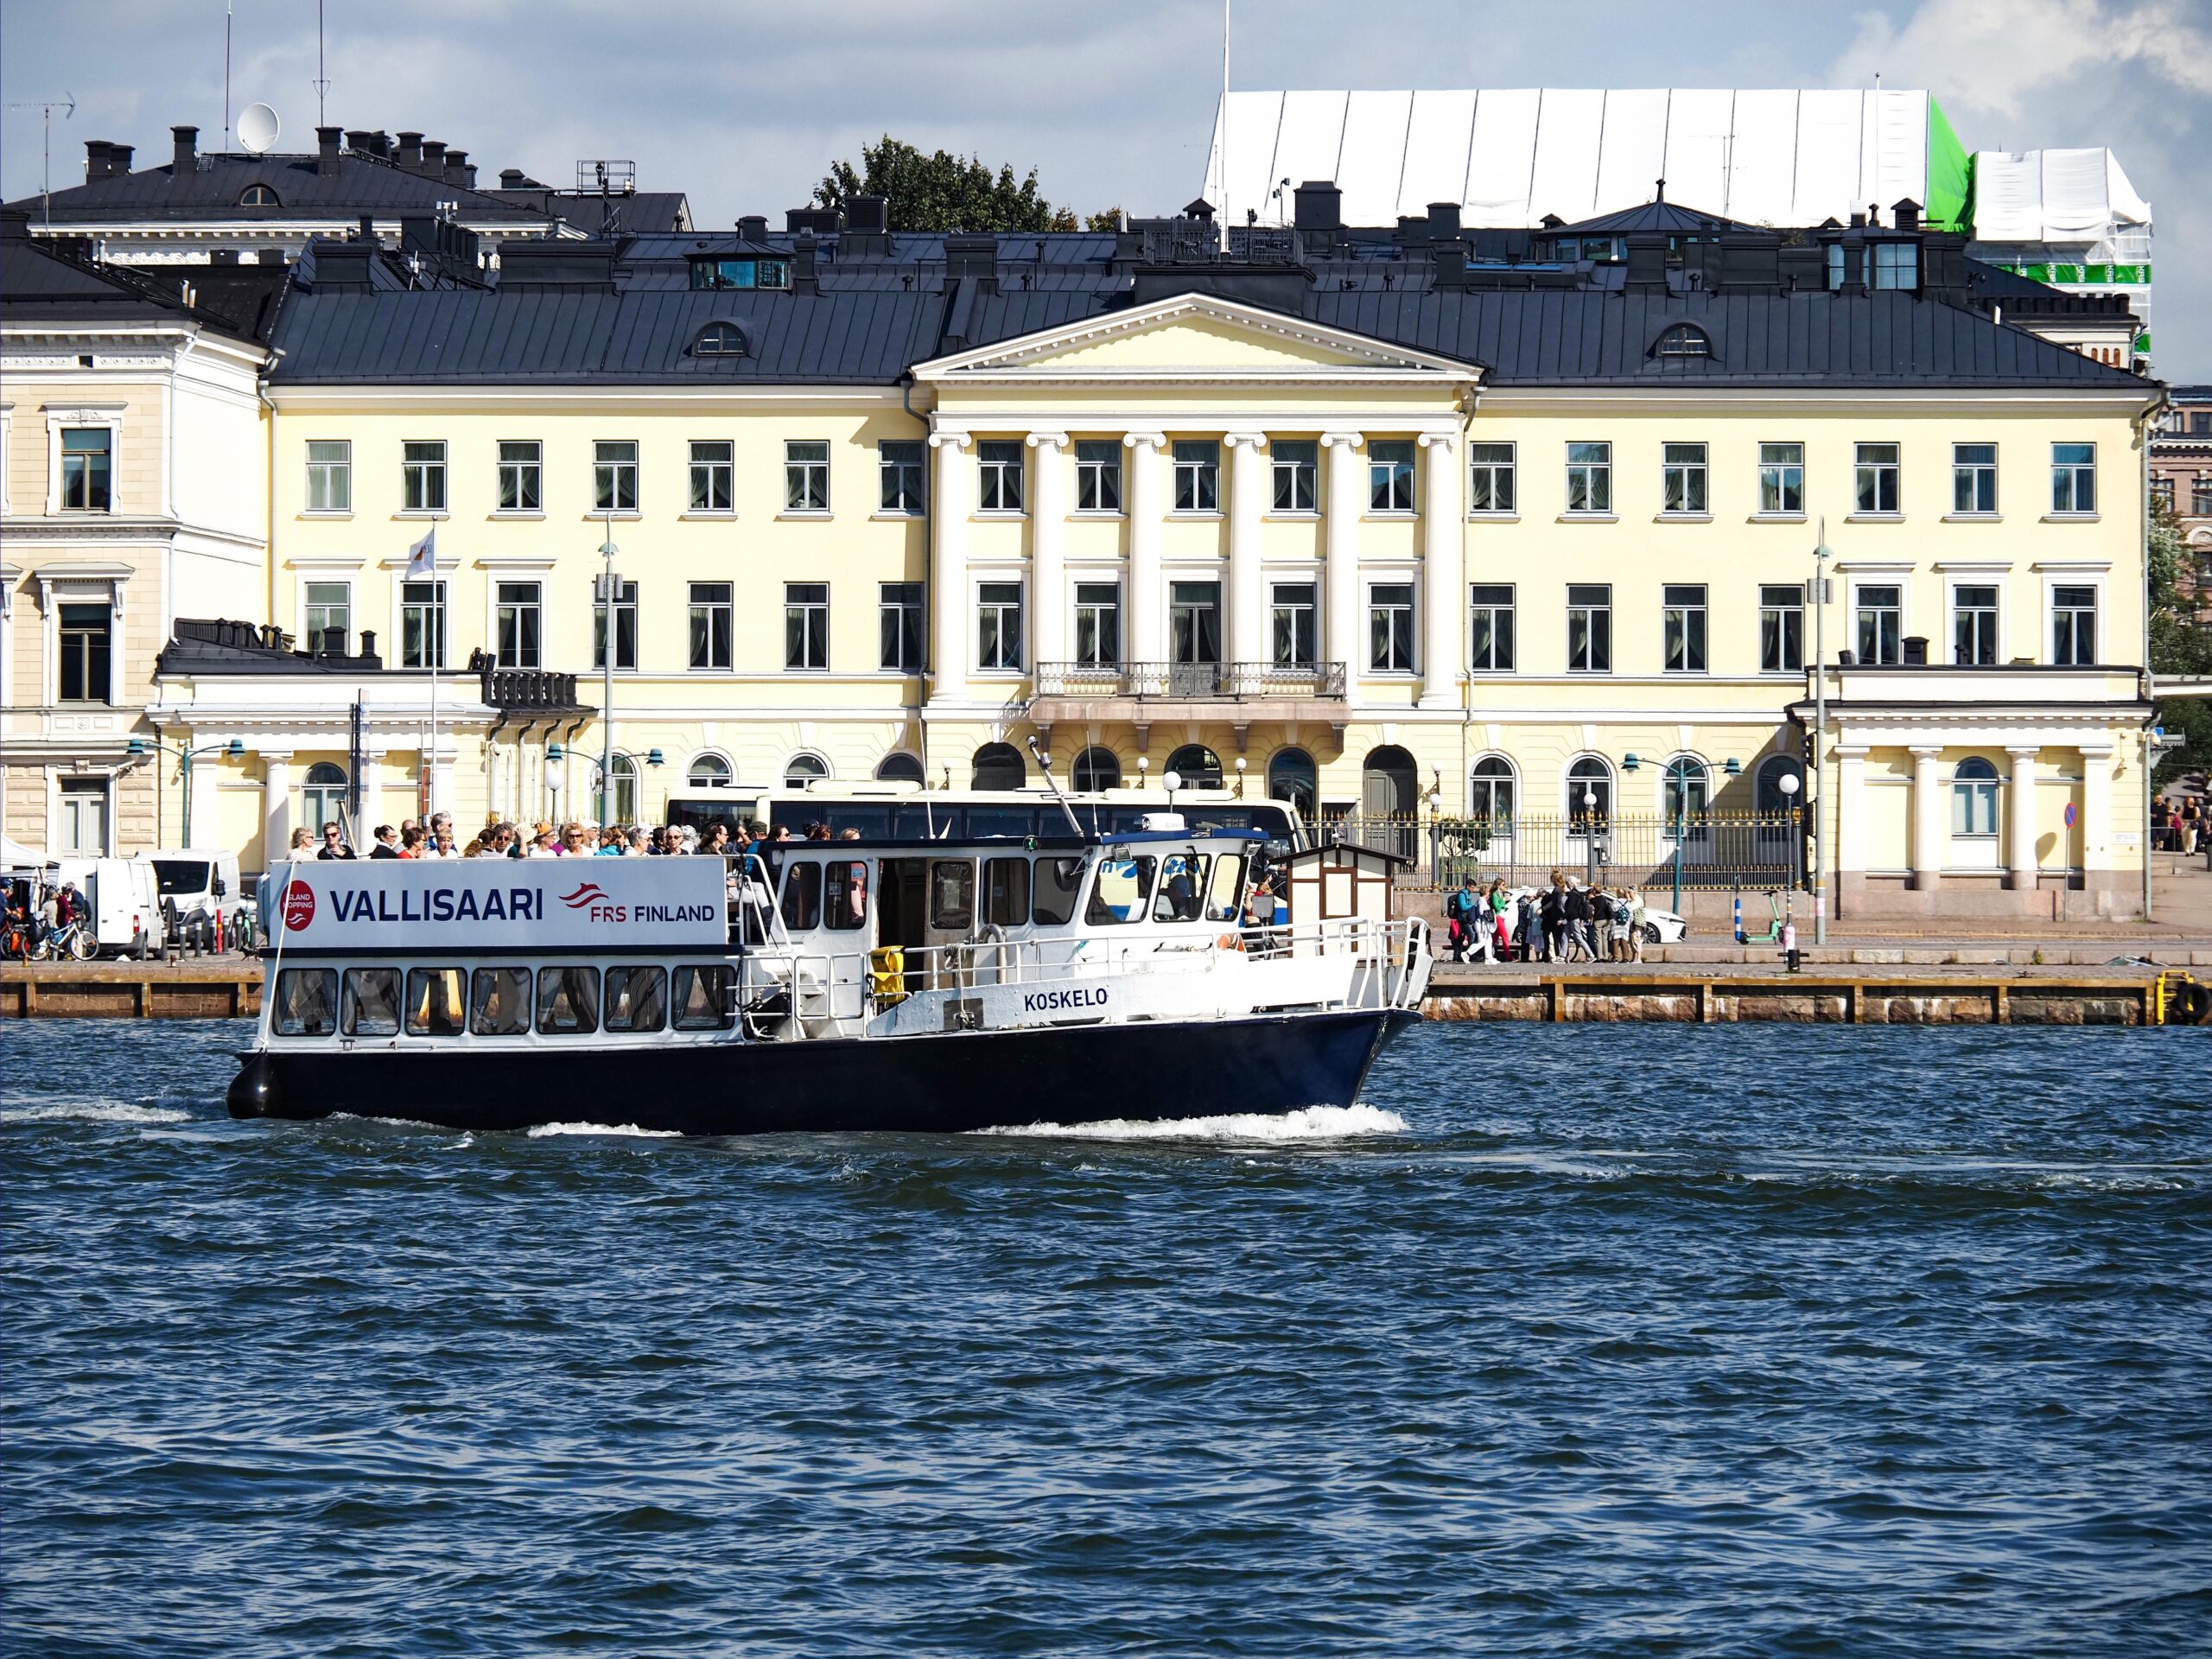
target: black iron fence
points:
(1189, 679)
(1707, 852)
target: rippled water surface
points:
(1575, 1340)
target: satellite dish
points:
(257, 128)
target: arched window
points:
(997, 766)
(900, 767)
(1769, 798)
(1974, 797)
(1293, 776)
(718, 339)
(1489, 792)
(624, 774)
(322, 796)
(1097, 768)
(1389, 796)
(707, 770)
(1198, 766)
(1686, 788)
(258, 195)
(804, 768)
(1589, 778)
(1683, 340)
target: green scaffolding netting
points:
(1950, 174)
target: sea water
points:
(1727, 1340)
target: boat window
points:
(637, 999)
(434, 1000)
(1182, 879)
(1006, 891)
(1058, 881)
(803, 896)
(371, 1007)
(703, 998)
(499, 1003)
(1120, 893)
(846, 905)
(986, 821)
(568, 1000)
(952, 893)
(306, 998)
(1222, 895)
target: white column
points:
(1347, 488)
(275, 803)
(1048, 523)
(948, 605)
(1148, 641)
(2096, 814)
(441, 782)
(1930, 823)
(1850, 817)
(1248, 596)
(199, 829)
(372, 802)
(1442, 595)
(2020, 819)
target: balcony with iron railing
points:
(1191, 681)
(523, 693)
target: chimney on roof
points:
(223, 257)
(1859, 221)
(326, 151)
(754, 227)
(1317, 213)
(185, 158)
(433, 159)
(1647, 262)
(1907, 214)
(1443, 221)
(97, 151)
(410, 153)
(367, 230)
(1854, 258)
(1659, 191)
(119, 160)
(804, 278)
(511, 178)
(269, 256)
(459, 173)
(1412, 228)
(868, 234)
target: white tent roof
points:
(1509, 156)
(2053, 195)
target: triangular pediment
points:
(1192, 336)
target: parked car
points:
(204, 890)
(124, 901)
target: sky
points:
(743, 106)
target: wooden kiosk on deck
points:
(1341, 882)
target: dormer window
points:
(1683, 340)
(259, 195)
(1896, 265)
(740, 273)
(718, 339)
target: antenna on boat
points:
(1054, 784)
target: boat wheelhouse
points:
(847, 984)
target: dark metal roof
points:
(1657, 215)
(39, 281)
(214, 645)
(361, 184)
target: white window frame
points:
(710, 469)
(2072, 471)
(1973, 472)
(1511, 780)
(887, 608)
(1312, 607)
(1393, 507)
(412, 470)
(440, 629)
(1508, 469)
(1367, 667)
(1782, 633)
(1511, 609)
(2052, 583)
(1093, 469)
(1894, 467)
(79, 415)
(617, 468)
(1605, 610)
(614, 638)
(890, 479)
(1952, 586)
(1078, 604)
(1021, 603)
(806, 472)
(1903, 588)
(1595, 476)
(812, 613)
(1700, 613)
(1776, 471)
(340, 469)
(500, 605)
(1307, 466)
(1203, 464)
(728, 606)
(305, 636)
(998, 460)
(1694, 475)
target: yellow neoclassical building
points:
(1366, 521)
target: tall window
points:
(1489, 478)
(1881, 625)
(625, 626)
(1589, 796)
(88, 645)
(898, 473)
(806, 625)
(422, 476)
(2073, 626)
(1097, 623)
(1293, 630)
(1683, 477)
(806, 475)
(1390, 475)
(521, 619)
(1293, 776)
(87, 470)
(329, 616)
(1781, 478)
(330, 475)
(1295, 463)
(1589, 628)
(1973, 477)
(898, 627)
(1490, 790)
(1781, 629)
(521, 469)
(714, 475)
(707, 772)
(1973, 625)
(1685, 625)
(1490, 632)
(1590, 478)
(615, 476)
(2073, 478)
(710, 625)
(1687, 788)
(1877, 476)
(1098, 475)
(1096, 769)
(1973, 798)
(84, 816)
(1897, 264)
(2200, 497)
(998, 625)
(624, 807)
(1194, 621)
(422, 625)
(1390, 627)
(1198, 475)
(323, 795)
(998, 473)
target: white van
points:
(201, 883)
(125, 901)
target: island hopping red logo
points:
(588, 893)
(299, 907)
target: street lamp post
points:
(1590, 837)
(1816, 796)
(1787, 784)
(608, 590)
(139, 747)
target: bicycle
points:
(74, 939)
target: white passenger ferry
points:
(826, 985)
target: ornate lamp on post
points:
(1590, 836)
(1241, 764)
(1787, 784)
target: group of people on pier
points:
(1562, 921)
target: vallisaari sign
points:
(502, 904)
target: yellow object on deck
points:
(886, 976)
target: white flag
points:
(423, 557)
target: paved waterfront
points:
(1660, 1340)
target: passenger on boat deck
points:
(575, 838)
(715, 839)
(495, 842)
(441, 842)
(410, 840)
(387, 842)
(780, 832)
(817, 830)
(633, 845)
(544, 846)
(332, 844)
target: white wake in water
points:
(1307, 1123)
(544, 1129)
(88, 1110)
